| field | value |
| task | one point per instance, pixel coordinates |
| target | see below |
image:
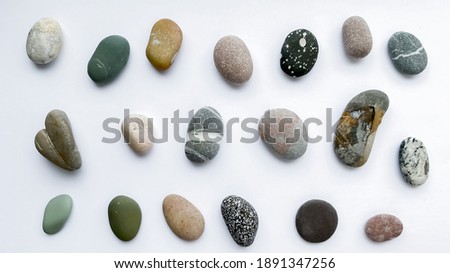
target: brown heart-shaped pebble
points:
(56, 142)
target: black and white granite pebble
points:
(407, 53)
(414, 161)
(205, 131)
(316, 221)
(299, 53)
(241, 219)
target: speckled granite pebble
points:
(138, 132)
(56, 141)
(125, 217)
(233, 60)
(407, 53)
(205, 131)
(57, 213)
(164, 43)
(414, 162)
(357, 127)
(241, 219)
(383, 227)
(44, 41)
(316, 221)
(357, 37)
(299, 53)
(284, 133)
(183, 218)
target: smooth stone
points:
(164, 43)
(44, 41)
(57, 213)
(233, 60)
(56, 141)
(284, 133)
(205, 131)
(183, 218)
(357, 127)
(124, 217)
(316, 221)
(414, 162)
(383, 227)
(357, 37)
(407, 53)
(299, 53)
(136, 129)
(109, 59)
(241, 219)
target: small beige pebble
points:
(164, 43)
(233, 60)
(357, 37)
(183, 218)
(44, 41)
(383, 227)
(138, 132)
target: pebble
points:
(124, 217)
(299, 53)
(205, 131)
(284, 133)
(357, 37)
(56, 141)
(109, 59)
(407, 53)
(136, 129)
(233, 60)
(164, 43)
(183, 218)
(241, 219)
(414, 162)
(57, 213)
(383, 227)
(44, 41)
(357, 127)
(316, 221)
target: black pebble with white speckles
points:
(241, 219)
(299, 53)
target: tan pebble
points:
(164, 43)
(183, 218)
(138, 132)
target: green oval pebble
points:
(124, 217)
(56, 213)
(109, 58)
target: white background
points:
(418, 107)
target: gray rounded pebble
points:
(205, 131)
(44, 41)
(407, 53)
(241, 219)
(414, 162)
(357, 37)
(383, 227)
(284, 133)
(233, 60)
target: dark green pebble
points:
(124, 217)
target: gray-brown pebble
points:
(233, 60)
(383, 227)
(357, 37)
(183, 218)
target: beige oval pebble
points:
(383, 227)
(233, 60)
(164, 43)
(44, 41)
(138, 132)
(357, 37)
(183, 218)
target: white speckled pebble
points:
(44, 41)
(414, 162)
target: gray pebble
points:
(284, 133)
(414, 162)
(233, 60)
(205, 131)
(357, 37)
(241, 219)
(44, 41)
(407, 53)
